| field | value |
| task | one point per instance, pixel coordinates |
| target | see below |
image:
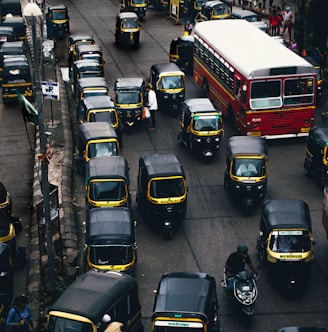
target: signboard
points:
(50, 90)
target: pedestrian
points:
(270, 4)
(264, 4)
(288, 22)
(19, 317)
(275, 22)
(152, 105)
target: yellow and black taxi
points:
(136, 6)
(73, 42)
(127, 30)
(285, 243)
(181, 53)
(57, 20)
(93, 295)
(186, 301)
(107, 182)
(19, 25)
(213, 10)
(110, 240)
(201, 127)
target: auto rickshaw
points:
(169, 84)
(73, 42)
(316, 153)
(137, 6)
(127, 31)
(110, 240)
(107, 182)
(94, 139)
(319, 71)
(90, 52)
(186, 301)
(5, 200)
(162, 191)
(285, 243)
(7, 34)
(181, 53)
(92, 295)
(18, 23)
(213, 10)
(57, 19)
(16, 77)
(246, 173)
(6, 281)
(201, 127)
(129, 100)
(84, 69)
(101, 109)
(10, 7)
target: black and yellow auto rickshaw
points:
(16, 77)
(192, 7)
(319, 71)
(7, 34)
(213, 10)
(101, 109)
(5, 200)
(181, 53)
(168, 82)
(136, 6)
(162, 191)
(11, 8)
(57, 20)
(6, 281)
(129, 100)
(110, 240)
(316, 153)
(285, 243)
(186, 301)
(201, 127)
(18, 23)
(127, 30)
(246, 173)
(92, 295)
(107, 182)
(94, 139)
(73, 42)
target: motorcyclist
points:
(236, 263)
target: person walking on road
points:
(152, 105)
(288, 22)
(275, 21)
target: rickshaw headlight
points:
(260, 187)
(217, 139)
(166, 96)
(198, 140)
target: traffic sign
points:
(50, 90)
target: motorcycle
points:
(244, 292)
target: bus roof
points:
(249, 50)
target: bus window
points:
(266, 94)
(298, 91)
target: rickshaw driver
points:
(236, 263)
(245, 169)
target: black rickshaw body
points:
(73, 42)
(84, 69)
(6, 281)
(316, 153)
(7, 33)
(16, 77)
(18, 23)
(90, 52)
(127, 30)
(285, 243)
(168, 82)
(5, 200)
(82, 305)
(201, 127)
(101, 109)
(57, 19)
(319, 71)
(11, 7)
(137, 6)
(110, 240)
(186, 301)
(107, 182)
(162, 191)
(8, 236)
(192, 7)
(181, 53)
(95, 139)
(129, 100)
(246, 173)
(213, 10)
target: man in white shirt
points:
(152, 105)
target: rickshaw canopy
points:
(200, 105)
(83, 38)
(246, 145)
(129, 83)
(285, 214)
(319, 135)
(166, 69)
(96, 130)
(110, 225)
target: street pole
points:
(33, 13)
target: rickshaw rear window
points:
(290, 241)
(59, 15)
(248, 167)
(178, 328)
(103, 117)
(58, 324)
(130, 24)
(107, 190)
(164, 188)
(111, 255)
(220, 10)
(207, 123)
(128, 97)
(172, 82)
(102, 149)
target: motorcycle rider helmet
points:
(242, 249)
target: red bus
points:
(263, 88)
